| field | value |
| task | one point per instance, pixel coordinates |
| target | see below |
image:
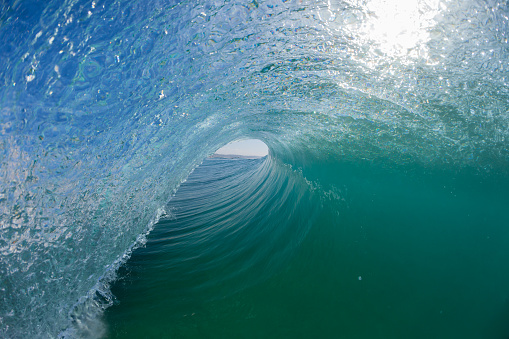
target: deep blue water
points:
(387, 124)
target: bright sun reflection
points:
(401, 27)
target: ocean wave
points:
(107, 107)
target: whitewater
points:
(387, 121)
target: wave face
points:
(106, 107)
(231, 225)
(254, 249)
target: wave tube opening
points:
(244, 147)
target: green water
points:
(406, 253)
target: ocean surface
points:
(252, 249)
(379, 212)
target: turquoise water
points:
(384, 254)
(380, 211)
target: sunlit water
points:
(387, 124)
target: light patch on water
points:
(401, 28)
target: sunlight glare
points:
(401, 27)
